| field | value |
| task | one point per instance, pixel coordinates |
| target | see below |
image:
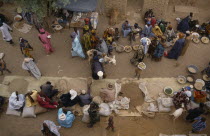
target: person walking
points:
(45, 37)
(3, 67)
(25, 47)
(5, 32)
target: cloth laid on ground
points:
(14, 103)
(86, 117)
(107, 95)
(120, 103)
(118, 87)
(53, 128)
(152, 108)
(65, 120)
(31, 66)
(23, 28)
(161, 108)
(76, 45)
(167, 102)
(104, 109)
(143, 88)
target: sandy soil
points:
(61, 59)
(132, 91)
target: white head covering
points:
(62, 116)
(100, 74)
(83, 92)
(73, 94)
(188, 93)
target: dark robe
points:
(194, 113)
(176, 50)
(66, 101)
(96, 67)
(183, 26)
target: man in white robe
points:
(5, 32)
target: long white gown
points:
(5, 32)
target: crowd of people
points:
(154, 37)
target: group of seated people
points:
(46, 98)
(185, 96)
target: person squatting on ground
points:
(48, 90)
(25, 48)
(3, 67)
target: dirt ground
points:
(49, 65)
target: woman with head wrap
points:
(44, 37)
(175, 52)
(76, 46)
(65, 118)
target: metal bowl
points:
(181, 79)
(168, 90)
(192, 69)
(190, 78)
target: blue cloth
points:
(147, 31)
(78, 5)
(159, 51)
(126, 29)
(183, 26)
(176, 50)
(198, 125)
(67, 123)
(76, 46)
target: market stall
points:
(81, 9)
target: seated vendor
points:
(138, 56)
(147, 31)
(65, 118)
(48, 90)
(126, 28)
(170, 34)
(45, 102)
(70, 99)
(206, 70)
(16, 101)
(194, 113)
(85, 97)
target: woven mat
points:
(22, 27)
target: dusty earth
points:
(61, 59)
